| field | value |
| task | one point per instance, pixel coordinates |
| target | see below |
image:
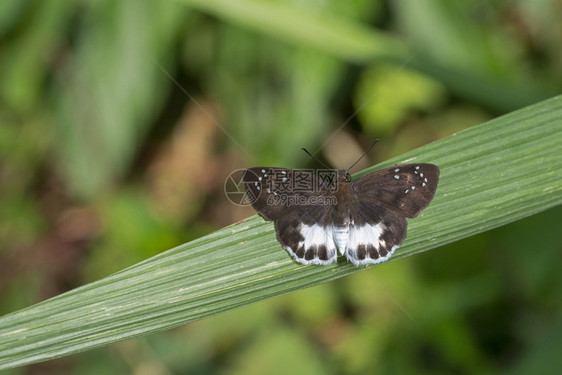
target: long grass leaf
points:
(491, 174)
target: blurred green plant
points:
(87, 91)
(492, 174)
(445, 43)
(408, 91)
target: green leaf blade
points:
(492, 174)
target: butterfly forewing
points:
(269, 189)
(406, 189)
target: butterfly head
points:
(344, 176)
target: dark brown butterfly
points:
(318, 213)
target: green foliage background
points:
(94, 93)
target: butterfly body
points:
(344, 198)
(320, 213)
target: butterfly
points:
(318, 213)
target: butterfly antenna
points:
(314, 157)
(365, 153)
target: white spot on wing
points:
(397, 170)
(366, 235)
(396, 177)
(315, 235)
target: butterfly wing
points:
(290, 198)
(274, 192)
(307, 235)
(375, 233)
(384, 199)
(405, 189)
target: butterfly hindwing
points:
(375, 233)
(307, 235)
(405, 189)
